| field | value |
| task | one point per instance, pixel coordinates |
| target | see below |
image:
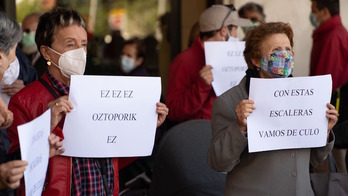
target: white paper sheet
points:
(113, 116)
(228, 64)
(33, 140)
(290, 113)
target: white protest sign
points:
(228, 64)
(33, 140)
(113, 116)
(290, 113)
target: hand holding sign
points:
(332, 115)
(206, 74)
(55, 145)
(12, 172)
(59, 107)
(162, 112)
(243, 110)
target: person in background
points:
(132, 58)
(61, 38)
(11, 171)
(29, 25)
(329, 53)
(254, 12)
(279, 172)
(190, 94)
(232, 28)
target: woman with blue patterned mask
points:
(268, 54)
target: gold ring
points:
(57, 104)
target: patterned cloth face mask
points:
(278, 64)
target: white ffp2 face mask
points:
(11, 73)
(72, 62)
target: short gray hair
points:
(10, 33)
(50, 21)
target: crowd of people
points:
(38, 59)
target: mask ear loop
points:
(51, 62)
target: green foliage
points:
(26, 7)
(141, 14)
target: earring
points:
(49, 62)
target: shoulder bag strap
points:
(49, 88)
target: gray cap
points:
(216, 16)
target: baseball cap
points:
(216, 16)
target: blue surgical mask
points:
(127, 64)
(278, 64)
(313, 20)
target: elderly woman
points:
(263, 173)
(61, 38)
(12, 171)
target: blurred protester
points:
(132, 58)
(330, 52)
(61, 38)
(29, 25)
(164, 51)
(190, 93)
(330, 42)
(278, 172)
(254, 12)
(151, 46)
(232, 28)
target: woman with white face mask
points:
(11, 172)
(268, 54)
(61, 38)
(132, 58)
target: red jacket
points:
(330, 51)
(28, 104)
(188, 96)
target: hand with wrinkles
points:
(11, 173)
(244, 108)
(13, 88)
(59, 108)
